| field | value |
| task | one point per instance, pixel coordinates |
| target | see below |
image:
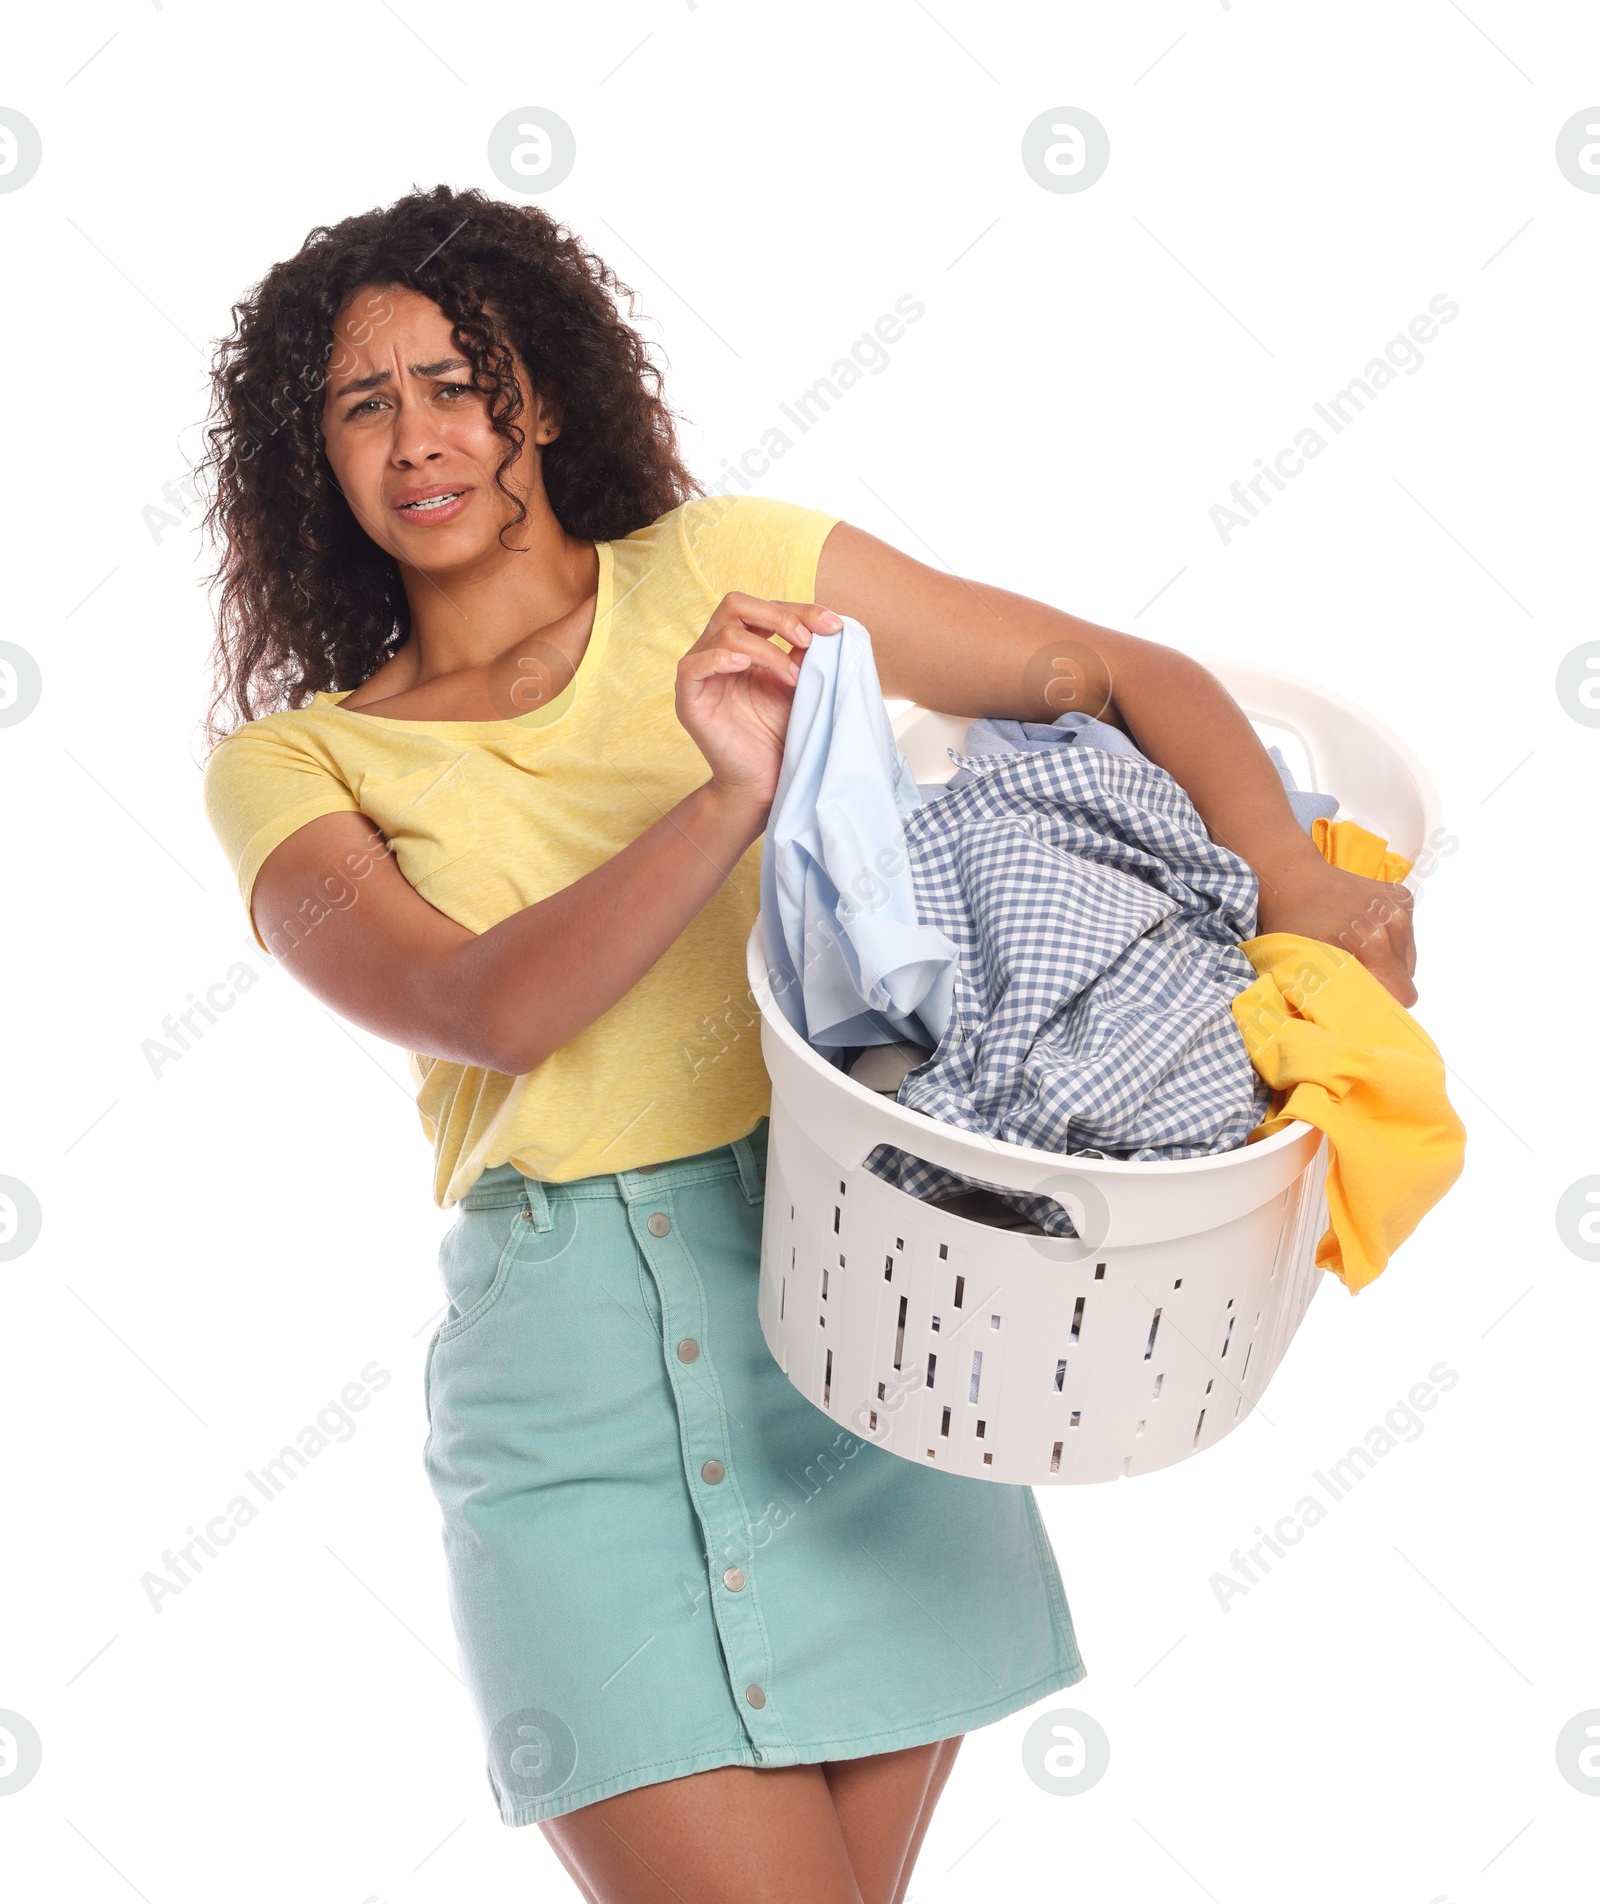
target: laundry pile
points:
(1052, 951)
(1009, 737)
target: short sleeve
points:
(755, 544)
(259, 787)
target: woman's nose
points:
(416, 435)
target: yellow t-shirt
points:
(486, 817)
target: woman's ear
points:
(546, 418)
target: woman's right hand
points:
(735, 689)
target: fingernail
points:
(830, 619)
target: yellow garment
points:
(1343, 1054)
(1344, 844)
(487, 817)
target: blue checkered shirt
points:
(1097, 926)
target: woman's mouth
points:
(435, 505)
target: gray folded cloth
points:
(883, 1067)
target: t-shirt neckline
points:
(535, 718)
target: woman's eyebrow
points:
(361, 383)
(417, 370)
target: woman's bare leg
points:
(559, 1846)
(943, 1767)
(847, 1832)
(885, 1803)
(736, 1835)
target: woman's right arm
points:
(381, 956)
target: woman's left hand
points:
(1368, 918)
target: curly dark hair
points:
(306, 600)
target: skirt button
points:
(712, 1471)
(733, 1579)
(659, 1223)
(688, 1349)
(755, 1696)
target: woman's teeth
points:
(433, 502)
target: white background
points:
(227, 1244)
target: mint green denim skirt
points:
(660, 1556)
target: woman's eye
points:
(452, 392)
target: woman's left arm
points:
(966, 647)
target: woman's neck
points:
(468, 618)
(468, 625)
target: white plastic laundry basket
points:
(1033, 1359)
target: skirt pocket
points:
(475, 1263)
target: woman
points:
(513, 699)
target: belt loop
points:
(752, 1163)
(538, 1203)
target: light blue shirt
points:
(848, 958)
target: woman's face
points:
(409, 440)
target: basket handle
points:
(1143, 1203)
